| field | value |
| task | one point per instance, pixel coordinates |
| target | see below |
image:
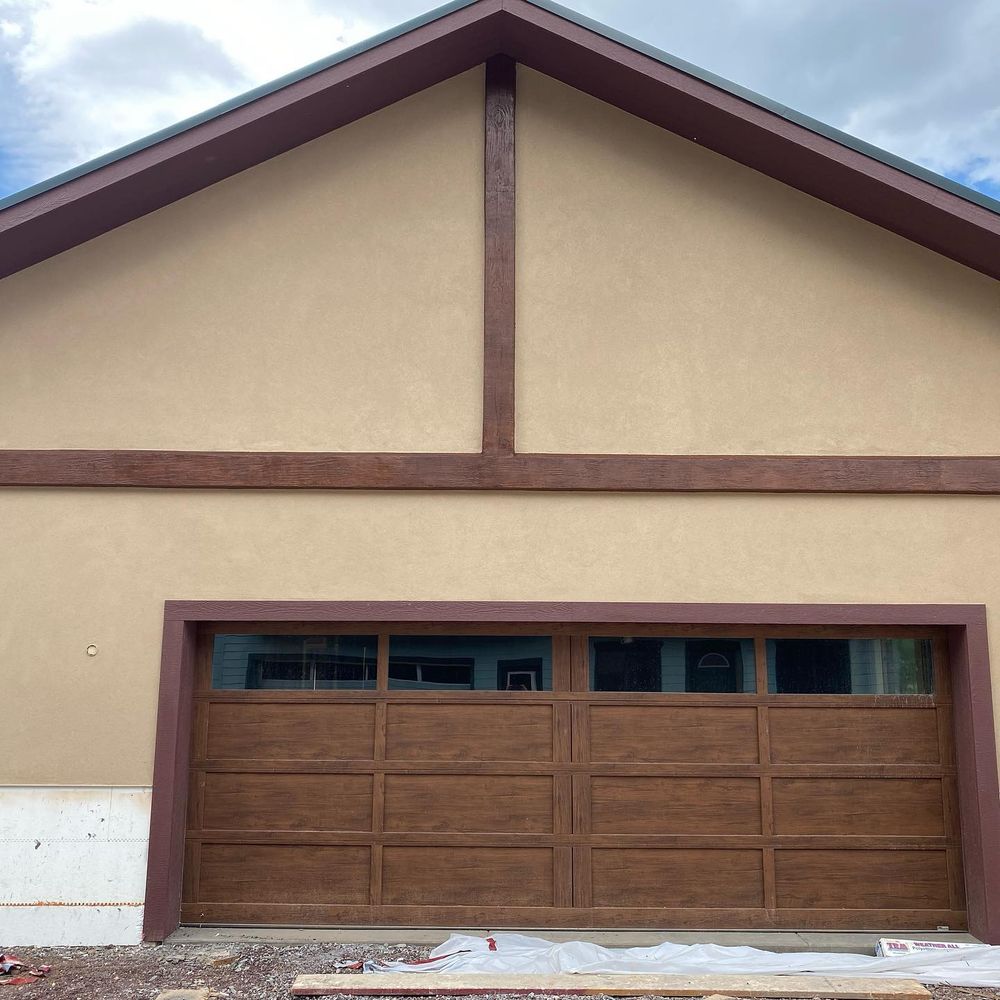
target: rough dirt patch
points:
(231, 972)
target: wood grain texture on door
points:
(571, 808)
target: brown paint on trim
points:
(177, 166)
(172, 750)
(498, 262)
(978, 783)
(577, 613)
(979, 797)
(496, 471)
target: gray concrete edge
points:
(778, 941)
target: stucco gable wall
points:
(328, 299)
(670, 300)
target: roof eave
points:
(186, 160)
(546, 37)
(756, 136)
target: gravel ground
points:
(231, 972)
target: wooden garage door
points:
(708, 793)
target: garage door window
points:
(645, 663)
(470, 662)
(294, 662)
(849, 666)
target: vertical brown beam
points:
(378, 825)
(976, 759)
(382, 663)
(562, 660)
(941, 674)
(579, 663)
(498, 264)
(378, 808)
(191, 877)
(378, 775)
(378, 804)
(170, 771)
(582, 809)
(562, 803)
(766, 791)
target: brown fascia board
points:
(543, 39)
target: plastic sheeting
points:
(517, 953)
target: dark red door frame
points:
(975, 736)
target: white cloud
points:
(86, 76)
(920, 78)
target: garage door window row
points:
(794, 665)
(671, 664)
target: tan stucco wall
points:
(86, 566)
(671, 300)
(329, 299)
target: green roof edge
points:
(790, 114)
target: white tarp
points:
(517, 953)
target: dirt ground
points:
(231, 972)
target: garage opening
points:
(573, 776)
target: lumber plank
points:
(408, 984)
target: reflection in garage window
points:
(470, 662)
(294, 662)
(849, 666)
(644, 663)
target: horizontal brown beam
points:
(571, 612)
(458, 471)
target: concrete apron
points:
(780, 941)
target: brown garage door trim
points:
(975, 736)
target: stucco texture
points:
(670, 300)
(88, 566)
(329, 299)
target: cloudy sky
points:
(920, 78)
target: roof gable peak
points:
(150, 173)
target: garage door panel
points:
(891, 880)
(468, 876)
(235, 801)
(872, 807)
(257, 873)
(258, 731)
(672, 734)
(677, 878)
(630, 807)
(653, 805)
(853, 736)
(469, 732)
(460, 803)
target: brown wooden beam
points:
(498, 264)
(425, 471)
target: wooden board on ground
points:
(409, 984)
